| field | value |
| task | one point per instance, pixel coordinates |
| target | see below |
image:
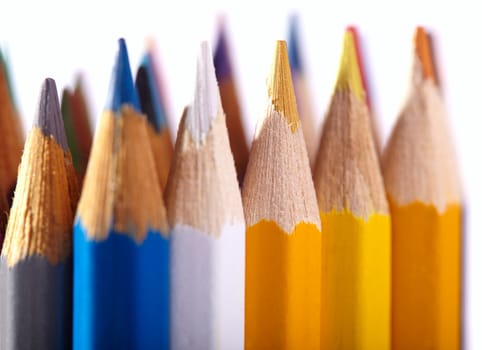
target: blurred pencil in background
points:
(225, 74)
(77, 126)
(422, 183)
(121, 254)
(300, 84)
(283, 238)
(36, 265)
(356, 261)
(152, 106)
(11, 142)
(207, 221)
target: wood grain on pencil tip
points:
(283, 243)
(153, 108)
(424, 192)
(121, 251)
(35, 290)
(208, 231)
(230, 101)
(300, 84)
(356, 225)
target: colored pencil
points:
(354, 213)
(77, 126)
(11, 142)
(283, 236)
(121, 281)
(367, 92)
(303, 99)
(35, 264)
(423, 189)
(207, 225)
(152, 107)
(225, 74)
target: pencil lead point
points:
(49, 119)
(206, 104)
(280, 86)
(349, 74)
(423, 52)
(122, 90)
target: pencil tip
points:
(122, 90)
(222, 62)
(349, 74)
(149, 95)
(280, 86)
(423, 52)
(49, 119)
(294, 45)
(207, 102)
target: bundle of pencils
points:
(121, 251)
(354, 213)
(283, 238)
(208, 230)
(425, 202)
(35, 264)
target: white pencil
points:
(208, 229)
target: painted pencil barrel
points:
(207, 289)
(355, 303)
(120, 292)
(283, 279)
(37, 307)
(426, 276)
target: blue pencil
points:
(121, 248)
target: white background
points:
(60, 39)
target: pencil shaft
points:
(283, 276)
(426, 277)
(37, 305)
(355, 283)
(120, 298)
(207, 289)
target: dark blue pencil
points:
(121, 249)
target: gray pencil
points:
(36, 258)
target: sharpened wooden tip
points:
(423, 50)
(280, 86)
(49, 118)
(349, 74)
(207, 101)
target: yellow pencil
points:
(283, 243)
(355, 303)
(424, 194)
